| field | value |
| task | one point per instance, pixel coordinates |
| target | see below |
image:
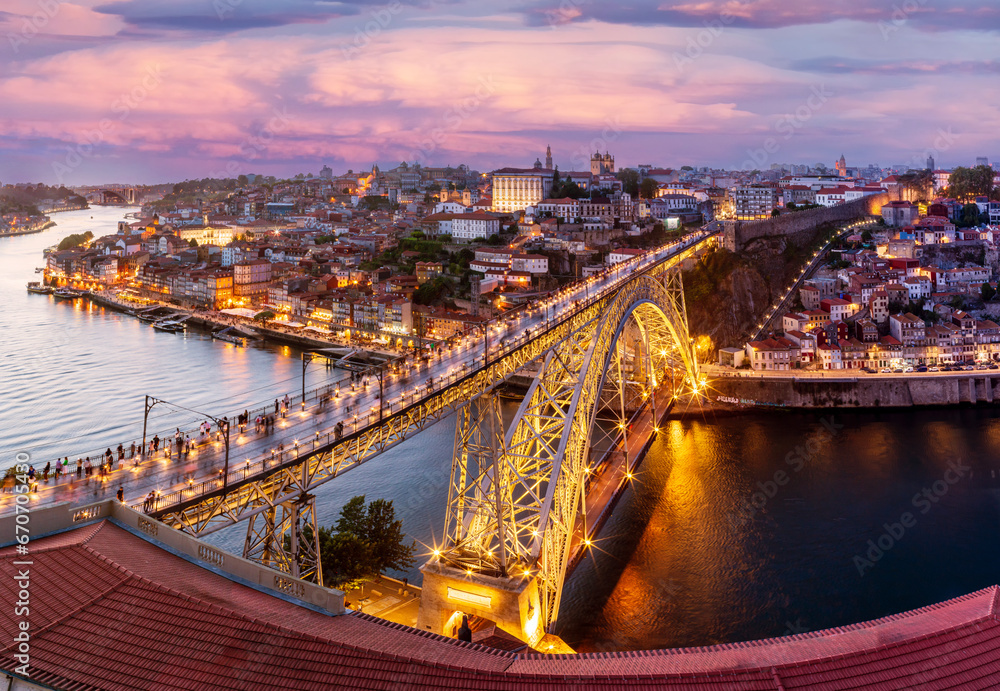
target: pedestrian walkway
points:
(326, 414)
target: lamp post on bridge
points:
(222, 423)
(306, 359)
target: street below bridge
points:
(312, 423)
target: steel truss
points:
(514, 502)
(286, 538)
(270, 491)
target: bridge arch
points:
(515, 498)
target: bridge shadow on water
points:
(766, 525)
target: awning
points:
(241, 312)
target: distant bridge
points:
(124, 196)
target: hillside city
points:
(417, 254)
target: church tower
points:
(548, 157)
(842, 166)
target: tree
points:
(243, 180)
(867, 235)
(630, 181)
(368, 541)
(969, 216)
(192, 243)
(352, 516)
(648, 188)
(775, 213)
(988, 292)
(966, 184)
(688, 168)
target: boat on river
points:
(230, 336)
(169, 325)
(67, 293)
(39, 289)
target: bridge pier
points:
(447, 592)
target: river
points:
(735, 528)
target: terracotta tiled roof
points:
(111, 610)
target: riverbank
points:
(977, 387)
(213, 321)
(27, 231)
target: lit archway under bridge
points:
(516, 495)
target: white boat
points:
(67, 293)
(168, 325)
(39, 289)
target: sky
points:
(148, 91)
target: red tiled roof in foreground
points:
(111, 610)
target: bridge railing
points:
(265, 464)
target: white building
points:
(475, 225)
(623, 255)
(530, 263)
(515, 189)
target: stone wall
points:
(802, 225)
(864, 391)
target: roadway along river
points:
(686, 559)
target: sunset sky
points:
(162, 90)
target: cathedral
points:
(601, 165)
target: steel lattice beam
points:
(564, 347)
(540, 476)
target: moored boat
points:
(39, 289)
(67, 293)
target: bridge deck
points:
(199, 473)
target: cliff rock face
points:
(733, 309)
(729, 293)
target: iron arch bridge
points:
(642, 318)
(516, 497)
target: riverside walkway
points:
(312, 422)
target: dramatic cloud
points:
(154, 91)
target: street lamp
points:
(222, 423)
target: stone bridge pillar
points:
(448, 593)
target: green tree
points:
(243, 180)
(368, 541)
(345, 559)
(630, 181)
(353, 516)
(867, 235)
(192, 243)
(966, 184)
(648, 188)
(970, 216)
(688, 168)
(988, 292)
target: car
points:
(968, 368)
(981, 367)
(885, 370)
(933, 369)
(907, 370)
(993, 367)
(898, 370)
(866, 369)
(921, 369)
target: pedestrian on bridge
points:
(79, 467)
(131, 453)
(120, 494)
(121, 453)
(45, 471)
